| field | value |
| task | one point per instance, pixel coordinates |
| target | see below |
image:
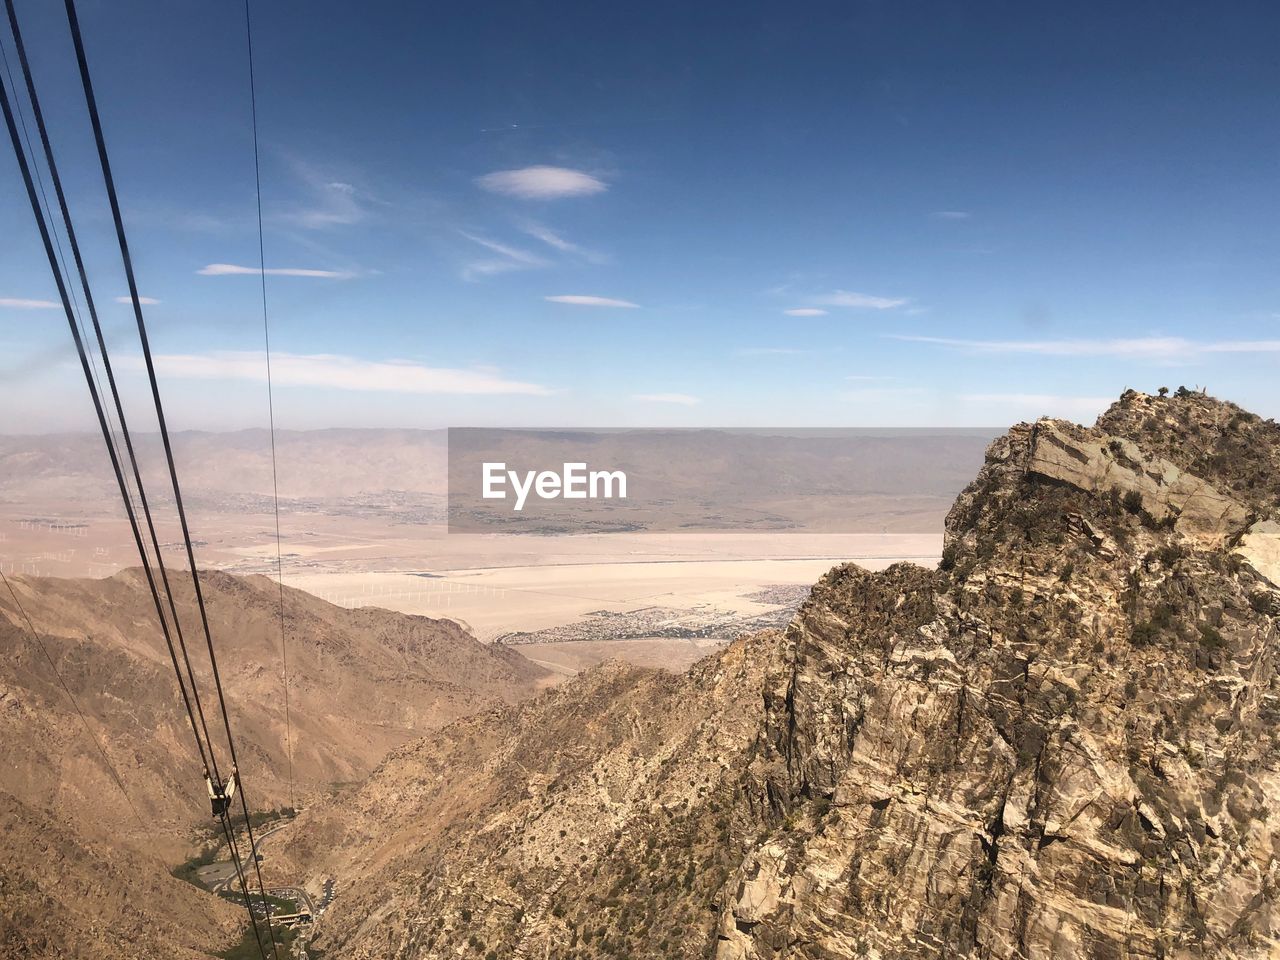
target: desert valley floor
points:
(656, 599)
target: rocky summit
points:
(1062, 743)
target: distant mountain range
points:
(817, 480)
(320, 464)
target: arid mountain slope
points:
(603, 806)
(361, 682)
(1062, 744)
(62, 896)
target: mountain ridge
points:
(361, 681)
(1061, 743)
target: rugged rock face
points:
(1060, 744)
(1063, 744)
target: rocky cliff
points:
(1060, 744)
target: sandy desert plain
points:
(656, 598)
(670, 586)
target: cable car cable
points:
(56, 180)
(24, 169)
(104, 162)
(271, 406)
(38, 213)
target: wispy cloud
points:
(145, 301)
(509, 258)
(19, 303)
(326, 200)
(550, 237)
(1157, 349)
(847, 298)
(769, 351)
(234, 270)
(337, 205)
(557, 242)
(487, 268)
(863, 378)
(805, 312)
(579, 300)
(682, 399)
(952, 214)
(511, 253)
(541, 183)
(340, 373)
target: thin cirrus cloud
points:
(861, 301)
(342, 373)
(558, 242)
(770, 351)
(235, 270)
(580, 300)
(952, 214)
(327, 201)
(508, 258)
(336, 206)
(145, 301)
(541, 183)
(680, 399)
(20, 303)
(1156, 349)
(805, 312)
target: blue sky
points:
(712, 214)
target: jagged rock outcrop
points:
(1060, 744)
(1063, 744)
(1080, 458)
